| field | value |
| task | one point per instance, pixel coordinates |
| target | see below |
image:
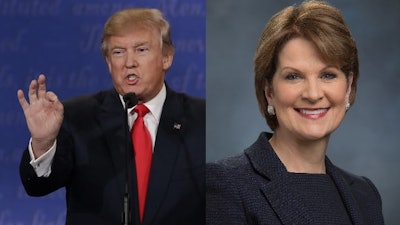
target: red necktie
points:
(143, 152)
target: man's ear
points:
(108, 64)
(167, 60)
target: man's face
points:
(136, 62)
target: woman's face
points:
(309, 95)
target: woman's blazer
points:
(252, 189)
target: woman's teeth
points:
(312, 112)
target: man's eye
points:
(117, 52)
(142, 49)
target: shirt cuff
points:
(42, 165)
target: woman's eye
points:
(328, 76)
(292, 76)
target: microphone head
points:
(130, 99)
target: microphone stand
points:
(130, 101)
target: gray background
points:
(367, 142)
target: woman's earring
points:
(271, 110)
(347, 106)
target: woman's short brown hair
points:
(316, 21)
(118, 23)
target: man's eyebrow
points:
(141, 43)
(117, 47)
(135, 45)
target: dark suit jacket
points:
(90, 162)
(252, 189)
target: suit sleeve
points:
(60, 169)
(373, 207)
(223, 203)
(367, 197)
(375, 191)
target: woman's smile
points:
(315, 113)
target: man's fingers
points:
(22, 100)
(51, 96)
(37, 89)
(32, 92)
(42, 86)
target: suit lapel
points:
(112, 121)
(344, 189)
(279, 192)
(166, 150)
(266, 163)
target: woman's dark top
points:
(255, 188)
(319, 194)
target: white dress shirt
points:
(42, 165)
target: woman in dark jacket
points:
(306, 71)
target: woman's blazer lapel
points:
(344, 187)
(279, 192)
(277, 189)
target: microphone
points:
(130, 100)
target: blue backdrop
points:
(61, 38)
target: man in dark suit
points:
(81, 144)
